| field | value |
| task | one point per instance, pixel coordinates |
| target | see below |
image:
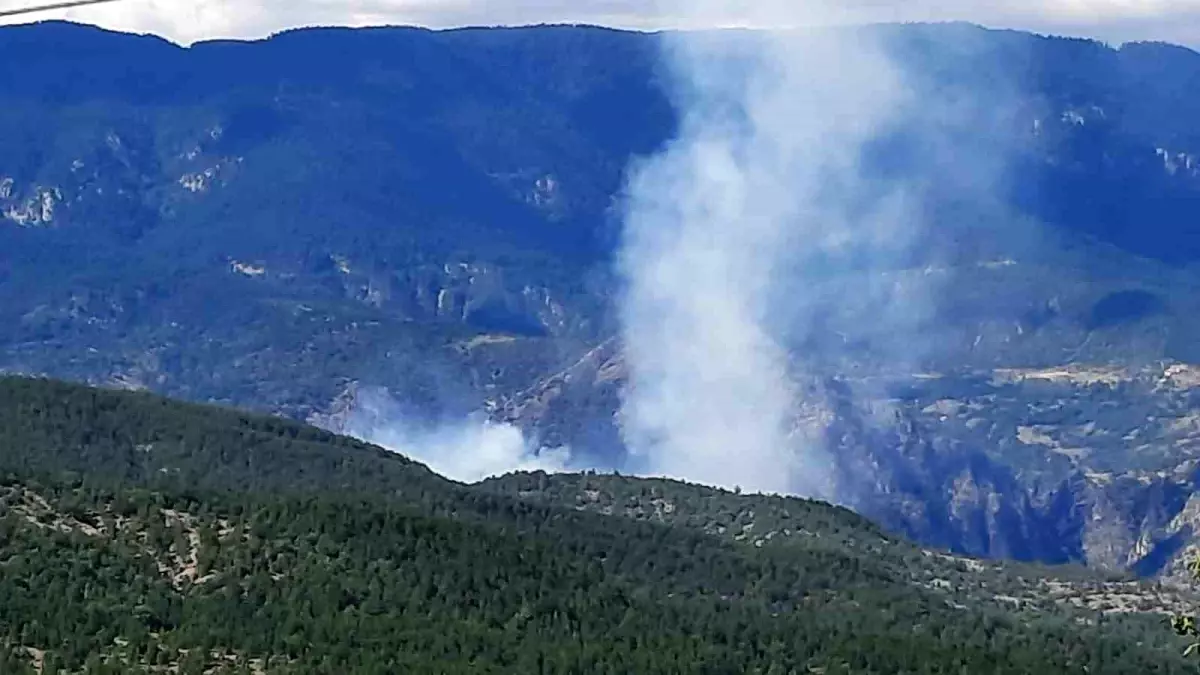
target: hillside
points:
(367, 196)
(143, 535)
(279, 224)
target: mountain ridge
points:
(264, 224)
(264, 549)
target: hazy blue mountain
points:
(270, 223)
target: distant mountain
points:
(274, 224)
(143, 535)
(311, 209)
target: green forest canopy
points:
(139, 534)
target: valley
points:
(277, 225)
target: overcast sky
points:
(186, 21)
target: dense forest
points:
(143, 535)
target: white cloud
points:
(1113, 20)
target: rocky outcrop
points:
(33, 206)
(1005, 469)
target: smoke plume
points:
(466, 450)
(765, 242)
(793, 232)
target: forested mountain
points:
(369, 194)
(143, 535)
(275, 224)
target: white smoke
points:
(468, 450)
(762, 251)
(765, 176)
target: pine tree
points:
(1185, 625)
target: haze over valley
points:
(949, 284)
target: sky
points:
(187, 21)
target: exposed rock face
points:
(931, 470)
(32, 207)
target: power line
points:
(46, 8)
